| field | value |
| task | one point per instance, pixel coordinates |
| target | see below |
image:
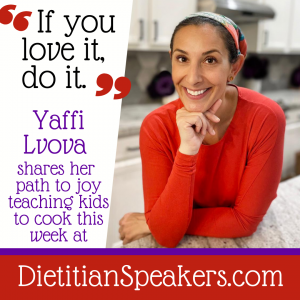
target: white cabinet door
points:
(295, 32)
(291, 147)
(164, 16)
(139, 22)
(276, 31)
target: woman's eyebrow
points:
(204, 53)
(210, 51)
(179, 50)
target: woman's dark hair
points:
(225, 35)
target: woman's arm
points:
(168, 187)
(258, 187)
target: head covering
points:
(234, 30)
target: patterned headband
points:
(234, 30)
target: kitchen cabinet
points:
(165, 15)
(153, 22)
(278, 35)
(295, 32)
(276, 31)
(291, 147)
(138, 34)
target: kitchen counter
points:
(280, 227)
(289, 101)
(132, 117)
(288, 97)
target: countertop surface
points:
(132, 117)
(289, 97)
(280, 227)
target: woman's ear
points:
(170, 54)
(237, 66)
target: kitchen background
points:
(273, 69)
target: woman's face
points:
(199, 62)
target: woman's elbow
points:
(166, 234)
(247, 231)
(168, 242)
(246, 225)
(166, 238)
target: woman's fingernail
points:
(217, 118)
(213, 132)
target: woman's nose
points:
(194, 74)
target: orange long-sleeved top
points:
(226, 188)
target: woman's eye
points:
(181, 59)
(210, 59)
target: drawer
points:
(128, 147)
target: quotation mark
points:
(122, 84)
(20, 22)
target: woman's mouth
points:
(196, 94)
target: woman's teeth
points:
(195, 93)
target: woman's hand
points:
(133, 226)
(193, 127)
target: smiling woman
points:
(198, 75)
(212, 159)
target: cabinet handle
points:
(133, 148)
(155, 30)
(266, 37)
(141, 29)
